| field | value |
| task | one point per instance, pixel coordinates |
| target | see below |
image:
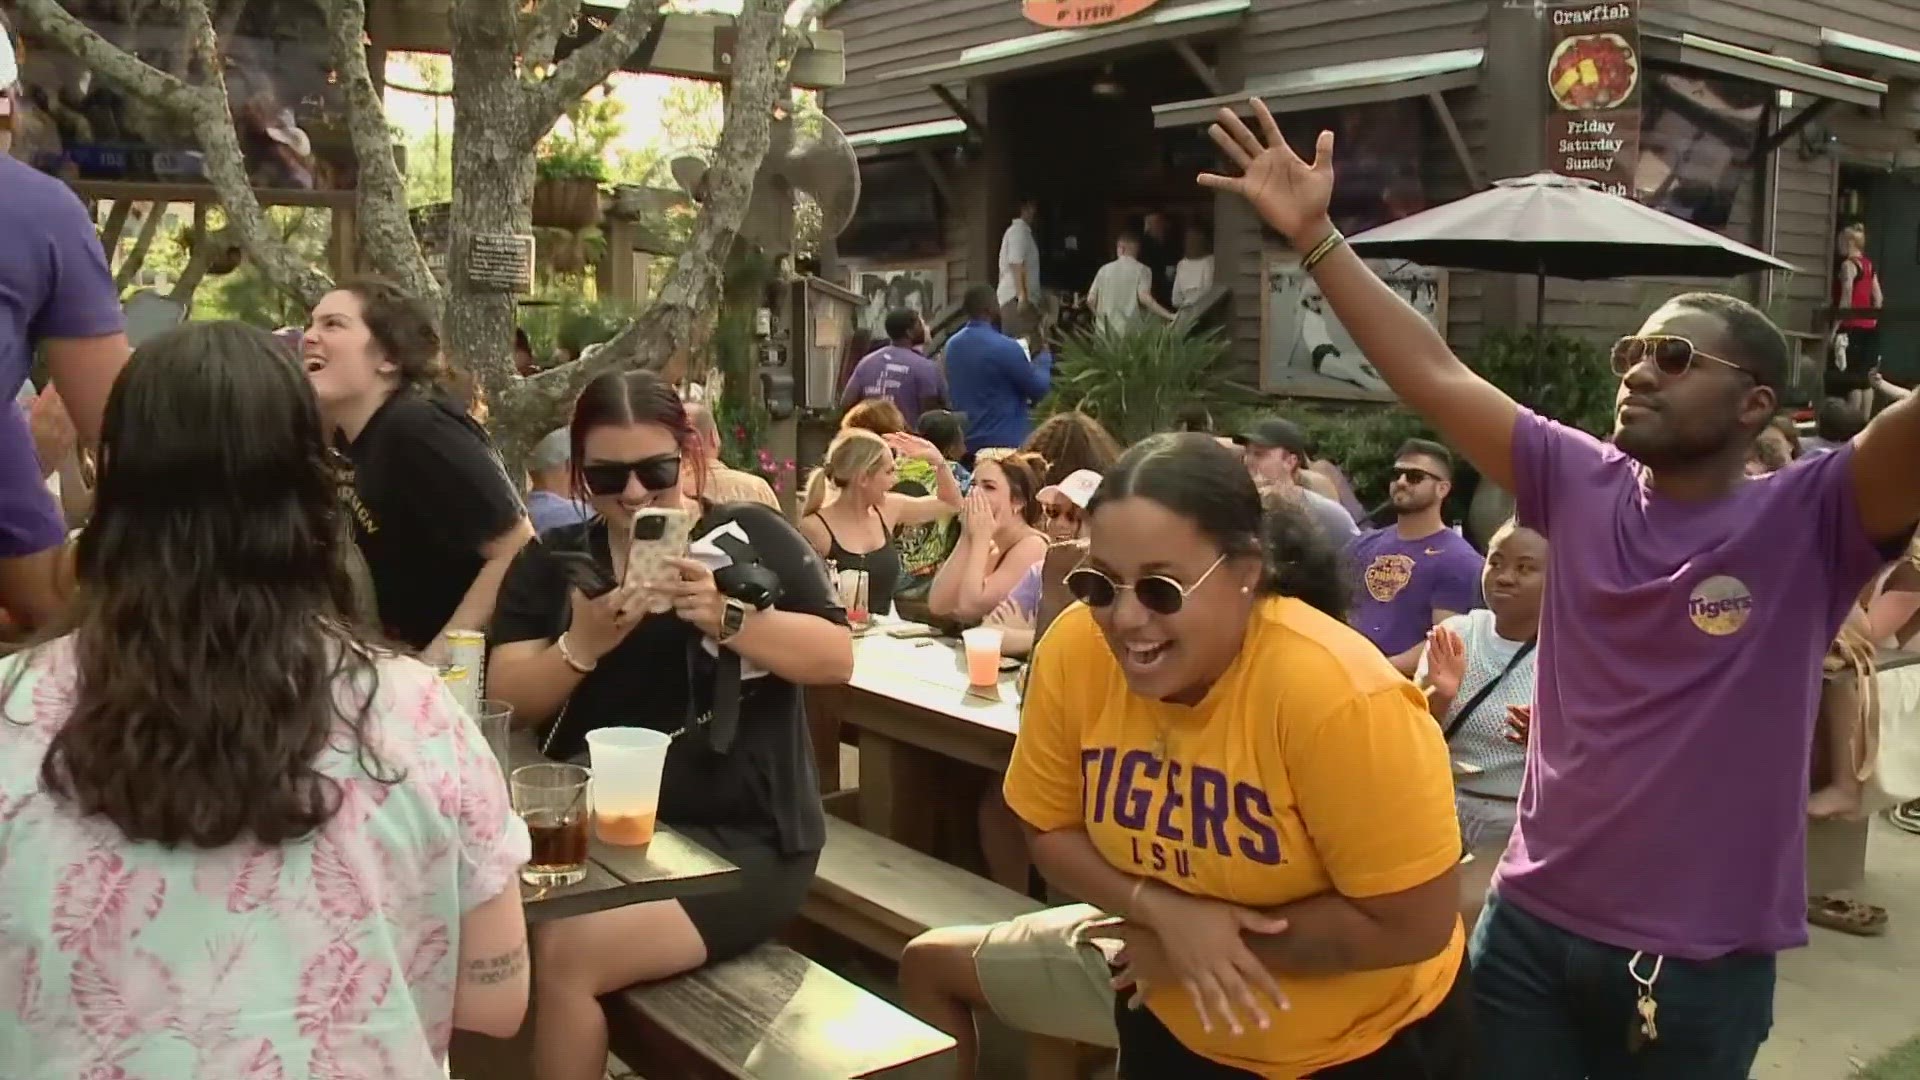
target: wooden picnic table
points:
(670, 867)
(916, 716)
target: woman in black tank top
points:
(851, 508)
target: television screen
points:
(286, 109)
(899, 216)
(1697, 137)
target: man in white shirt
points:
(1019, 291)
(1123, 287)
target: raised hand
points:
(1446, 661)
(1289, 194)
(1519, 723)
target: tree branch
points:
(149, 83)
(590, 65)
(691, 290)
(381, 192)
(206, 109)
(550, 22)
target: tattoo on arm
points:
(494, 970)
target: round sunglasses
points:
(1157, 593)
(658, 473)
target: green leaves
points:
(1138, 379)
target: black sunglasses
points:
(1156, 592)
(1415, 476)
(1674, 356)
(658, 473)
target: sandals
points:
(1847, 916)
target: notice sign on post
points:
(1593, 86)
(1067, 14)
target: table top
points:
(930, 674)
(670, 867)
(1890, 659)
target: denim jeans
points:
(1557, 1006)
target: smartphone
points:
(585, 574)
(658, 535)
(912, 630)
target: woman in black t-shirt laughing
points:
(433, 511)
(738, 780)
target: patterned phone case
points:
(647, 559)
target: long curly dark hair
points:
(211, 626)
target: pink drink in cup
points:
(983, 654)
(627, 763)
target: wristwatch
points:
(732, 617)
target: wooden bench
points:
(881, 895)
(769, 1015)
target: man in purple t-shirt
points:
(1658, 864)
(1416, 573)
(898, 371)
(56, 294)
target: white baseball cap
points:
(1077, 488)
(9, 68)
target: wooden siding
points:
(891, 35)
(1789, 28)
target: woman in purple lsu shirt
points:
(1657, 866)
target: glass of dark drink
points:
(552, 799)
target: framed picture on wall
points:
(1303, 348)
(920, 286)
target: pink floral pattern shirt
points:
(331, 958)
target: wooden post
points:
(343, 249)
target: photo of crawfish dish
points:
(1593, 71)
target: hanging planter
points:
(566, 193)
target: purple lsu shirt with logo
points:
(1664, 807)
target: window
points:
(1697, 137)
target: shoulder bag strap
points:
(1480, 695)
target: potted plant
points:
(1138, 378)
(566, 190)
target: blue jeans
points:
(1557, 1006)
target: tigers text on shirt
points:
(1311, 766)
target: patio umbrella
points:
(1560, 226)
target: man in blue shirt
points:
(989, 377)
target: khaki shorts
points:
(1042, 976)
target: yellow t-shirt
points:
(1310, 767)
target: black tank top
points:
(881, 564)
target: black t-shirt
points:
(428, 493)
(662, 677)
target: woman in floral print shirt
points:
(235, 841)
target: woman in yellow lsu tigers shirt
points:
(1249, 786)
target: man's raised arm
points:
(1293, 197)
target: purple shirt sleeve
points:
(1457, 588)
(30, 522)
(81, 300)
(1551, 458)
(1822, 487)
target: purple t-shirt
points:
(54, 281)
(1664, 807)
(1400, 583)
(910, 379)
(1025, 593)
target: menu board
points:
(1593, 86)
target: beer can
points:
(468, 649)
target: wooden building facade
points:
(961, 108)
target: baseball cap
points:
(552, 451)
(1274, 433)
(9, 69)
(1077, 488)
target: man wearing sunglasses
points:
(1659, 864)
(1416, 573)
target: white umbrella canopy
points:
(1561, 226)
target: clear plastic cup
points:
(983, 654)
(496, 723)
(626, 782)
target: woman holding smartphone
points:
(570, 662)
